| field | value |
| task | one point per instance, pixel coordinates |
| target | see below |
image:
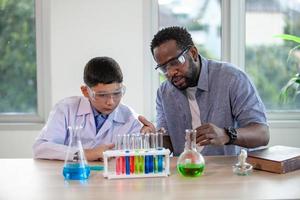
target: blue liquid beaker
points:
(76, 172)
(75, 167)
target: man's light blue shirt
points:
(53, 140)
(225, 96)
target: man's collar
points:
(203, 77)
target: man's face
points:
(177, 64)
(104, 97)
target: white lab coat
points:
(52, 143)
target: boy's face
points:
(104, 97)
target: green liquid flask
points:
(190, 162)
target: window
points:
(18, 57)
(267, 58)
(249, 43)
(201, 17)
(20, 39)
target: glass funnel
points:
(190, 162)
(75, 167)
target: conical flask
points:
(190, 162)
(75, 167)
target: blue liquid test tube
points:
(132, 158)
(148, 158)
(127, 158)
(159, 141)
(153, 146)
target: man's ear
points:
(194, 51)
(84, 91)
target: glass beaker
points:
(190, 162)
(75, 167)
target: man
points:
(215, 98)
(99, 113)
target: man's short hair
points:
(102, 70)
(182, 37)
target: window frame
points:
(26, 121)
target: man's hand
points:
(211, 134)
(148, 126)
(97, 153)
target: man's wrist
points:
(232, 135)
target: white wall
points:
(79, 30)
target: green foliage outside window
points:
(18, 87)
(267, 67)
(291, 91)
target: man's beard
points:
(191, 77)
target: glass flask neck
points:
(190, 139)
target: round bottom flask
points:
(190, 163)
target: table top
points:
(43, 179)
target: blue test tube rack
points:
(110, 170)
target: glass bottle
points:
(242, 168)
(75, 167)
(190, 162)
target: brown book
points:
(277, 159)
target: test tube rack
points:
(158, 167)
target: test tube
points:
(137, 156)
(141, 158)
(160, 135)
(127, 157)
(120, 160)
(153, 145)
(132, 147)
(159, 140)
(148, 158)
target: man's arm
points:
(250, 136)
(253, 135)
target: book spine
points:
(291, 165)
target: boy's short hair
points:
(182, 37)
(102, 70)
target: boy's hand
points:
(148, 126)
(97, 153)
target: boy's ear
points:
(84, 91)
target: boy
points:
(99, 112)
